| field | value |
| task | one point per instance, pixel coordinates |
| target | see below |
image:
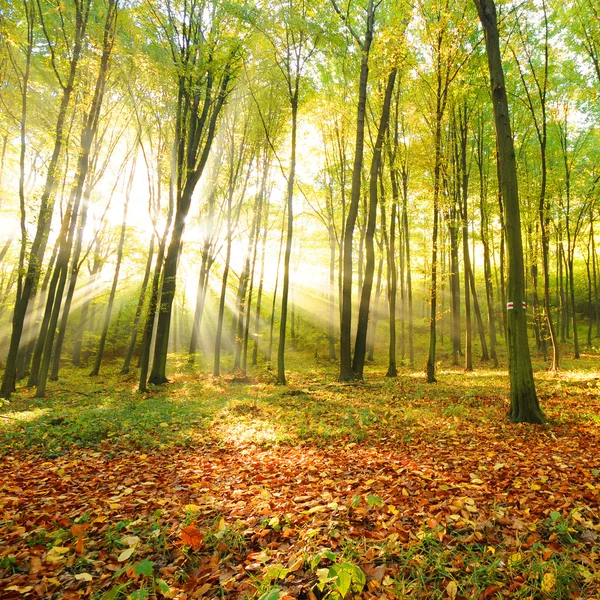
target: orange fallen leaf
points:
(192, 536)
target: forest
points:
(299, 299)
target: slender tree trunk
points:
(346, 371)
(365, 299)
(454, 285)
(331, 323)
(148, 330)
(392, 276)
(273, 304)
(288, 245)
(564, 317)
(75, 266)
(138, 310)
(524, 402)
(259, 296)
(434, 245)
(113, 289)
(484, 223)
(406, 234)
(589, 292)
(595, 273)
(576, 353)
(46, 210)
(221, 314)
(372, 328)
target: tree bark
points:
(360, 344)
(524, 403)
(346, 371)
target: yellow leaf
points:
(491, 550)
(193, 508)
(55, 554)
(452, 590)
(130, 540)
(296, 565)
(126, 554)
(548, 583)
(83, 577)
(515, 558)
(21, 590)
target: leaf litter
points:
(449, 506)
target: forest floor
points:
(233, 488)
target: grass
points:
(313, 407)
(464, 546)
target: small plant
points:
(559, 528)
(225, 539)
(339, 579)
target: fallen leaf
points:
(126, 554)
(192, 536)
(548, 583)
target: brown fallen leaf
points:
(192, 536)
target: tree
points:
(66, 76)
(205, 56)
(360, 345)
(524, 405)
(364, 46)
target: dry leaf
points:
(192, 536)
(452, 590)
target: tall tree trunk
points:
(365, 298)
(75, 266)
(221, 314)
(346, 371)
(259, 296)
(524, 402)
(273, 304)
(113, 289)
(392, 276)
(288, 245)
(331, 323)
(46, 210)
(138, 310)
(409, 294)
(372, 328)
(484, 223)
(146, 343)
(595, 273)
(454, 285)
(434, 242)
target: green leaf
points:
(163, 586)
(139, 595)
(373, 500)
(276, 572)
(329, 554)
(114, 593)
(145, 567)
(272, 594)
(355, 501)
(343, 578)
(323, 575)
(358, 577)
(595, 472)
(554, 515)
